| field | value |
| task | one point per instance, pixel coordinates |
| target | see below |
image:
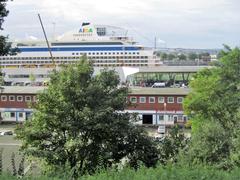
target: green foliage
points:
(171, 56)
(192, 56)
(182, 57)
(163, 56)
(159, 173)
(14, 169)
(3, 12)
(79, 124)
(1, 160)
(171, 145)
(214, 107)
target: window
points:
(151, 99)
(170, 99)
(133, 99)
(27, 98)
(175, 118)
(4, 98)
(180, 100)
(142, 100)
(160, 99)
(12, 114)
(20, 115)
(11, 98)
(184, 118)
(19, 98)
(161, 117)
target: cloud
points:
(173, 21)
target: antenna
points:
(54, 29)
(49, 49)
(155, 42)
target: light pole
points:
(1, 91)
(165, 106)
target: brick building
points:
(154, 105)
(15, 102)
(158, 105)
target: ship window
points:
(101, 53)
(137, 52)
(73, 53)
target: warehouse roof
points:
(158, 91)
(21, 89)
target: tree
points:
(171, 56)
(192, 56)
(4, 46)
(182, 57)
(171, 145)
(163, 56)
(214, 105)
(79, 123)
(32, 78)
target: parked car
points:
(161, 129)
(7, 132)
(159, 85)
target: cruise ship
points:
(105, 46)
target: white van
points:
(159, 85)
(161, 129)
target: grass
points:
(159, 173)
(9, 146)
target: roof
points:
(22, 89)
(133, 91)
(172, 69)
(158, 91)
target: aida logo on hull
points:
(84, 30)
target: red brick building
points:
(154, 105)
(158, 105)
(15, 102)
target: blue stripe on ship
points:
(80, 49)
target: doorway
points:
(147, 119)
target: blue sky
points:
(175, 23)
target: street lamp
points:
(165, 106)
(1, 91)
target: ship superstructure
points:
(105, 46)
